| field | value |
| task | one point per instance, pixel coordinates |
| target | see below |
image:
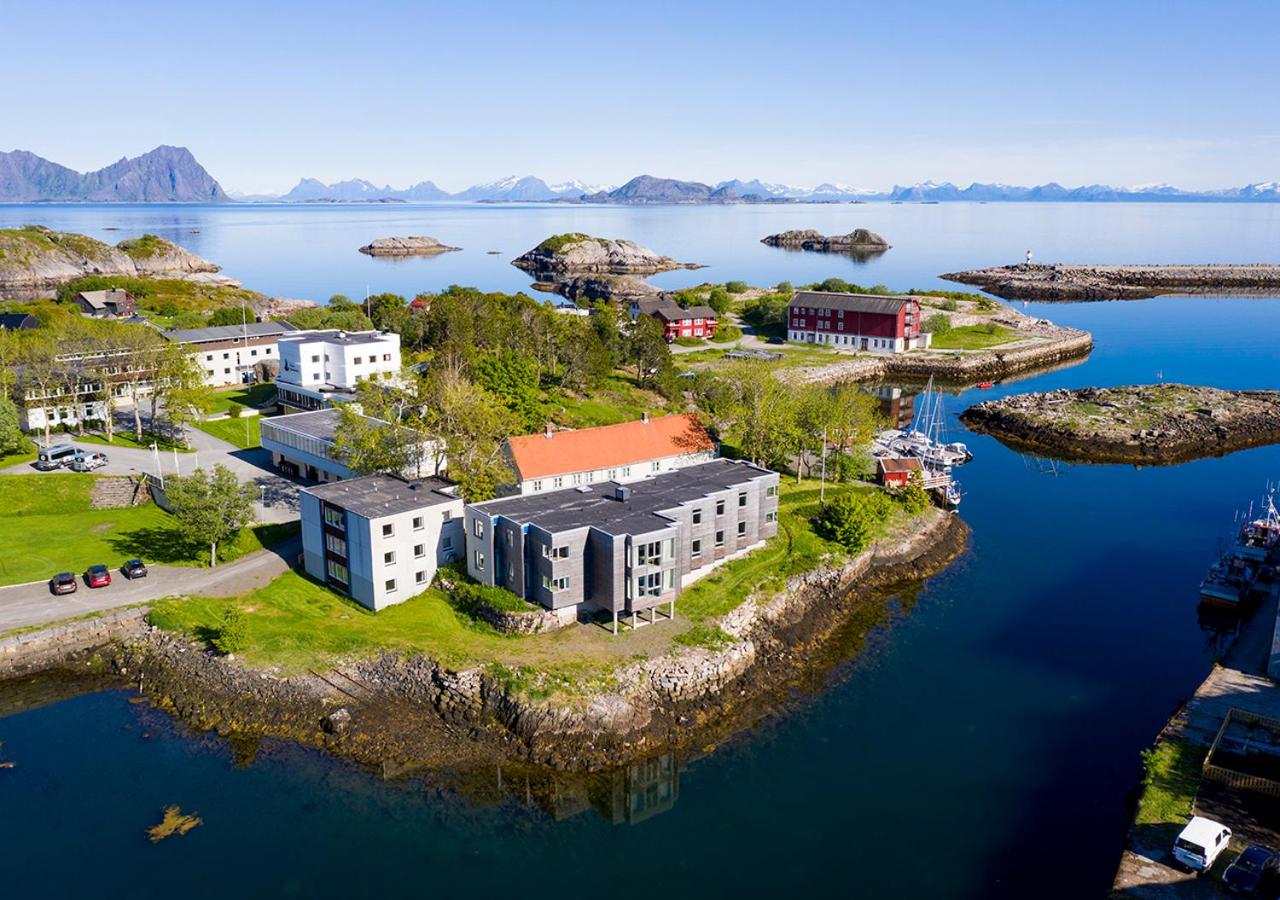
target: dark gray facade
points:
(621, 548)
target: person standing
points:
(1028, 257)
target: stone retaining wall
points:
(33, 651)
(118, 492)
(533, 622)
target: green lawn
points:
(1169, 783)
(255, 395)
(128, 439)
(618, 400)
(12, 459)
(974, 337)
(50, 528)
(244, 432)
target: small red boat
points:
(984, 385)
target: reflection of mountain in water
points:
(859, 255)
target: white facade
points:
(621, 473)
(225, 366)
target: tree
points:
(369, 446)
(210, 509)
(41, 375)
(913, 496)
(180, 387)
(938, 323)
(231, 315)
(12, 440)
(474, 426)
(512, 377)
(233, 633)
(647, 350)
(851, 519)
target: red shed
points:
(897, 472)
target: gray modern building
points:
(380, 539)
(624, 549)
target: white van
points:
(55, 457)
(1200, 843)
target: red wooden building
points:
(896, 473)
(694, 321)
(856, 321)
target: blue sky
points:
(264, 93)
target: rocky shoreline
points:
(582, 267)
(859, 243)
(1140, 424)
(406, 246)
(413, 712)
(1077, 282)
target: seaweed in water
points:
(174, 822)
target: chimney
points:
(644, 417)
(548, 431)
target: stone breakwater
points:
(412, 710)
(59, 645)
(1051, 346)
(1140, 424)
(1073, 282)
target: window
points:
(334, 517)
(649, 554)
(697, 517)
(771, 517)
(417, 523)
(558, 481)
(742, 499)
(419, 551)
(555, 552)
(479, 560)
(771, 491)
(656, 465)
(626, 471)
(391, 585)
(356, 361)
(446, 517)
(742, 529)
(719, 507)
(386, 357)
(577, 477)
(669, 580)
(719, 538)
(555, 584)
(315, 358)
(695, 549)
(388, 529)
(446, 543)
(613, 473)
(337, 571)
(335, 544)
(226, 356)
(389, 558)
(506, 536)
(253, 352)
(537, 485)
(649, 585)
(420, 577)
(478, 528)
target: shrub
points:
(234, 410)
(784, 287)
(468, 597)
(719, 300)
(726, 333)
(949, 304)
(233, 633)
(914, 498)
(852, 519)
(736, 287)
(689, 341)
(938, 323)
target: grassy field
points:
(618, 400)
(50, 528)
(12, 459)
(1169, 783)
(244, 432)
(298, 624)
(974, 337)
(128, 439)
(254, 395)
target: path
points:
(24, 605)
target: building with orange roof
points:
(627, 451)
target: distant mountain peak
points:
(165, 174)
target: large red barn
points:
(856, 321)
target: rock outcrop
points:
(1076, 282)
(34, 258)
(859, 242)
(1140, 424)
(582, 267)
(406, 246)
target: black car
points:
(134, 569)
(776, 340)
(62, 583)
(1245, 874)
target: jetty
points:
(1034, 281)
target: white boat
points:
(1259, 537)
(923, 439)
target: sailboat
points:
(923, 439)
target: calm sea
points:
(983, 744)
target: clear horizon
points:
(1125, 95)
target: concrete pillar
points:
(615, 621)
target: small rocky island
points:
(1140, 424)
(859, 243)
(406, 246)
(579, 266)
(1077, 282)
(35, 259)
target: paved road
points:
(279, 492)
(24, 605)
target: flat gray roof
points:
(229, 332)
(374, 496)
(597, 507)
(320, 423)
(344, 337)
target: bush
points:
(736, 287)
(689, 341)
(719, 300)
(938, 323)
(914, 498)
(851, 520)
(234, 410)
(468, 597)
(726, 333)
(233, 633)
(784, 287)
(949, 304)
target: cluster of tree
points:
(71, 361)
(784, 425)
(211, 507)
(852, 518)
(767, 313)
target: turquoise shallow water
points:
(983, 744)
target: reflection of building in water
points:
(630, 794)
(896, 405)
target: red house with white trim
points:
(890, 324)
(679, 321)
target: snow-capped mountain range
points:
(646, 189)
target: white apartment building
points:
(320, 368)
(229, 353)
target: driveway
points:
(25, 605)
(277, 494)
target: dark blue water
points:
(982, 746)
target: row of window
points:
(419, 523)
(419, 551)
(580, 478)
(253, 351)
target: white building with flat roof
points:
(320, 368)
(229, 353)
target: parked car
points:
(97, 576)
(134, 569)
(1244, 875)
(63, 583)
(55, 457)
(776, 340)
(87, 462)
(1200, 843)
